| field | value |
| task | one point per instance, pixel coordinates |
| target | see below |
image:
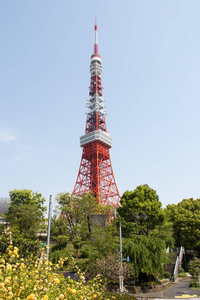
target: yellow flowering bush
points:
(38, 279)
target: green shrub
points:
(194, 283)
(117, 296)
(85, 252)
(166, 275)
(27, 247)
(55, 256)
(38, 279)
(182, 274)
(180, 269)
(193, 267)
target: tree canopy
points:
(147, 254)
(140, 213)
(26, 197)
(74, 212)
(140, 210)
(185, 218)
(26, 212)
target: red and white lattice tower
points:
(95, 172)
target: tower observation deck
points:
(95, 171)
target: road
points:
(179, 290)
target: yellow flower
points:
(15, 251)
(22, 266)
(94, 296)
(31, 297)
(10, 252)
(7, 280)
(73, 291)
(56, 280)
(61, 296)
(45, 297)
(2, 285)
(9, 267)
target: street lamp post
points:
(121, 287)
(120, 258)
(49, 226)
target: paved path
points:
(179, 290)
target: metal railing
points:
(178, 262)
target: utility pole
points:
(121, 284)
(120, 258)
(49, 226)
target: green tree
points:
(25, 212)
(165, 230)
(147, 254)
(76, 210)
(74, 233)
(104, 243)
(185, 217)
(194, 267)
(109, 268)
(140, 210)
(59, 231)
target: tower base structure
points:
(96, 175)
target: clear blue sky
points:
(151, 77)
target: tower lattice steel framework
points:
(95, 171)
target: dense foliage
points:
(74, 215)
(26, 247)
(194, 266)
(73, 232)
(185, 218)
(140, 210)
(147, 254)
(36, 278)
(147, 230)
(109, 267)
(26, 212)
(165, 230)
(142, 218)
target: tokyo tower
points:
(95, 171)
